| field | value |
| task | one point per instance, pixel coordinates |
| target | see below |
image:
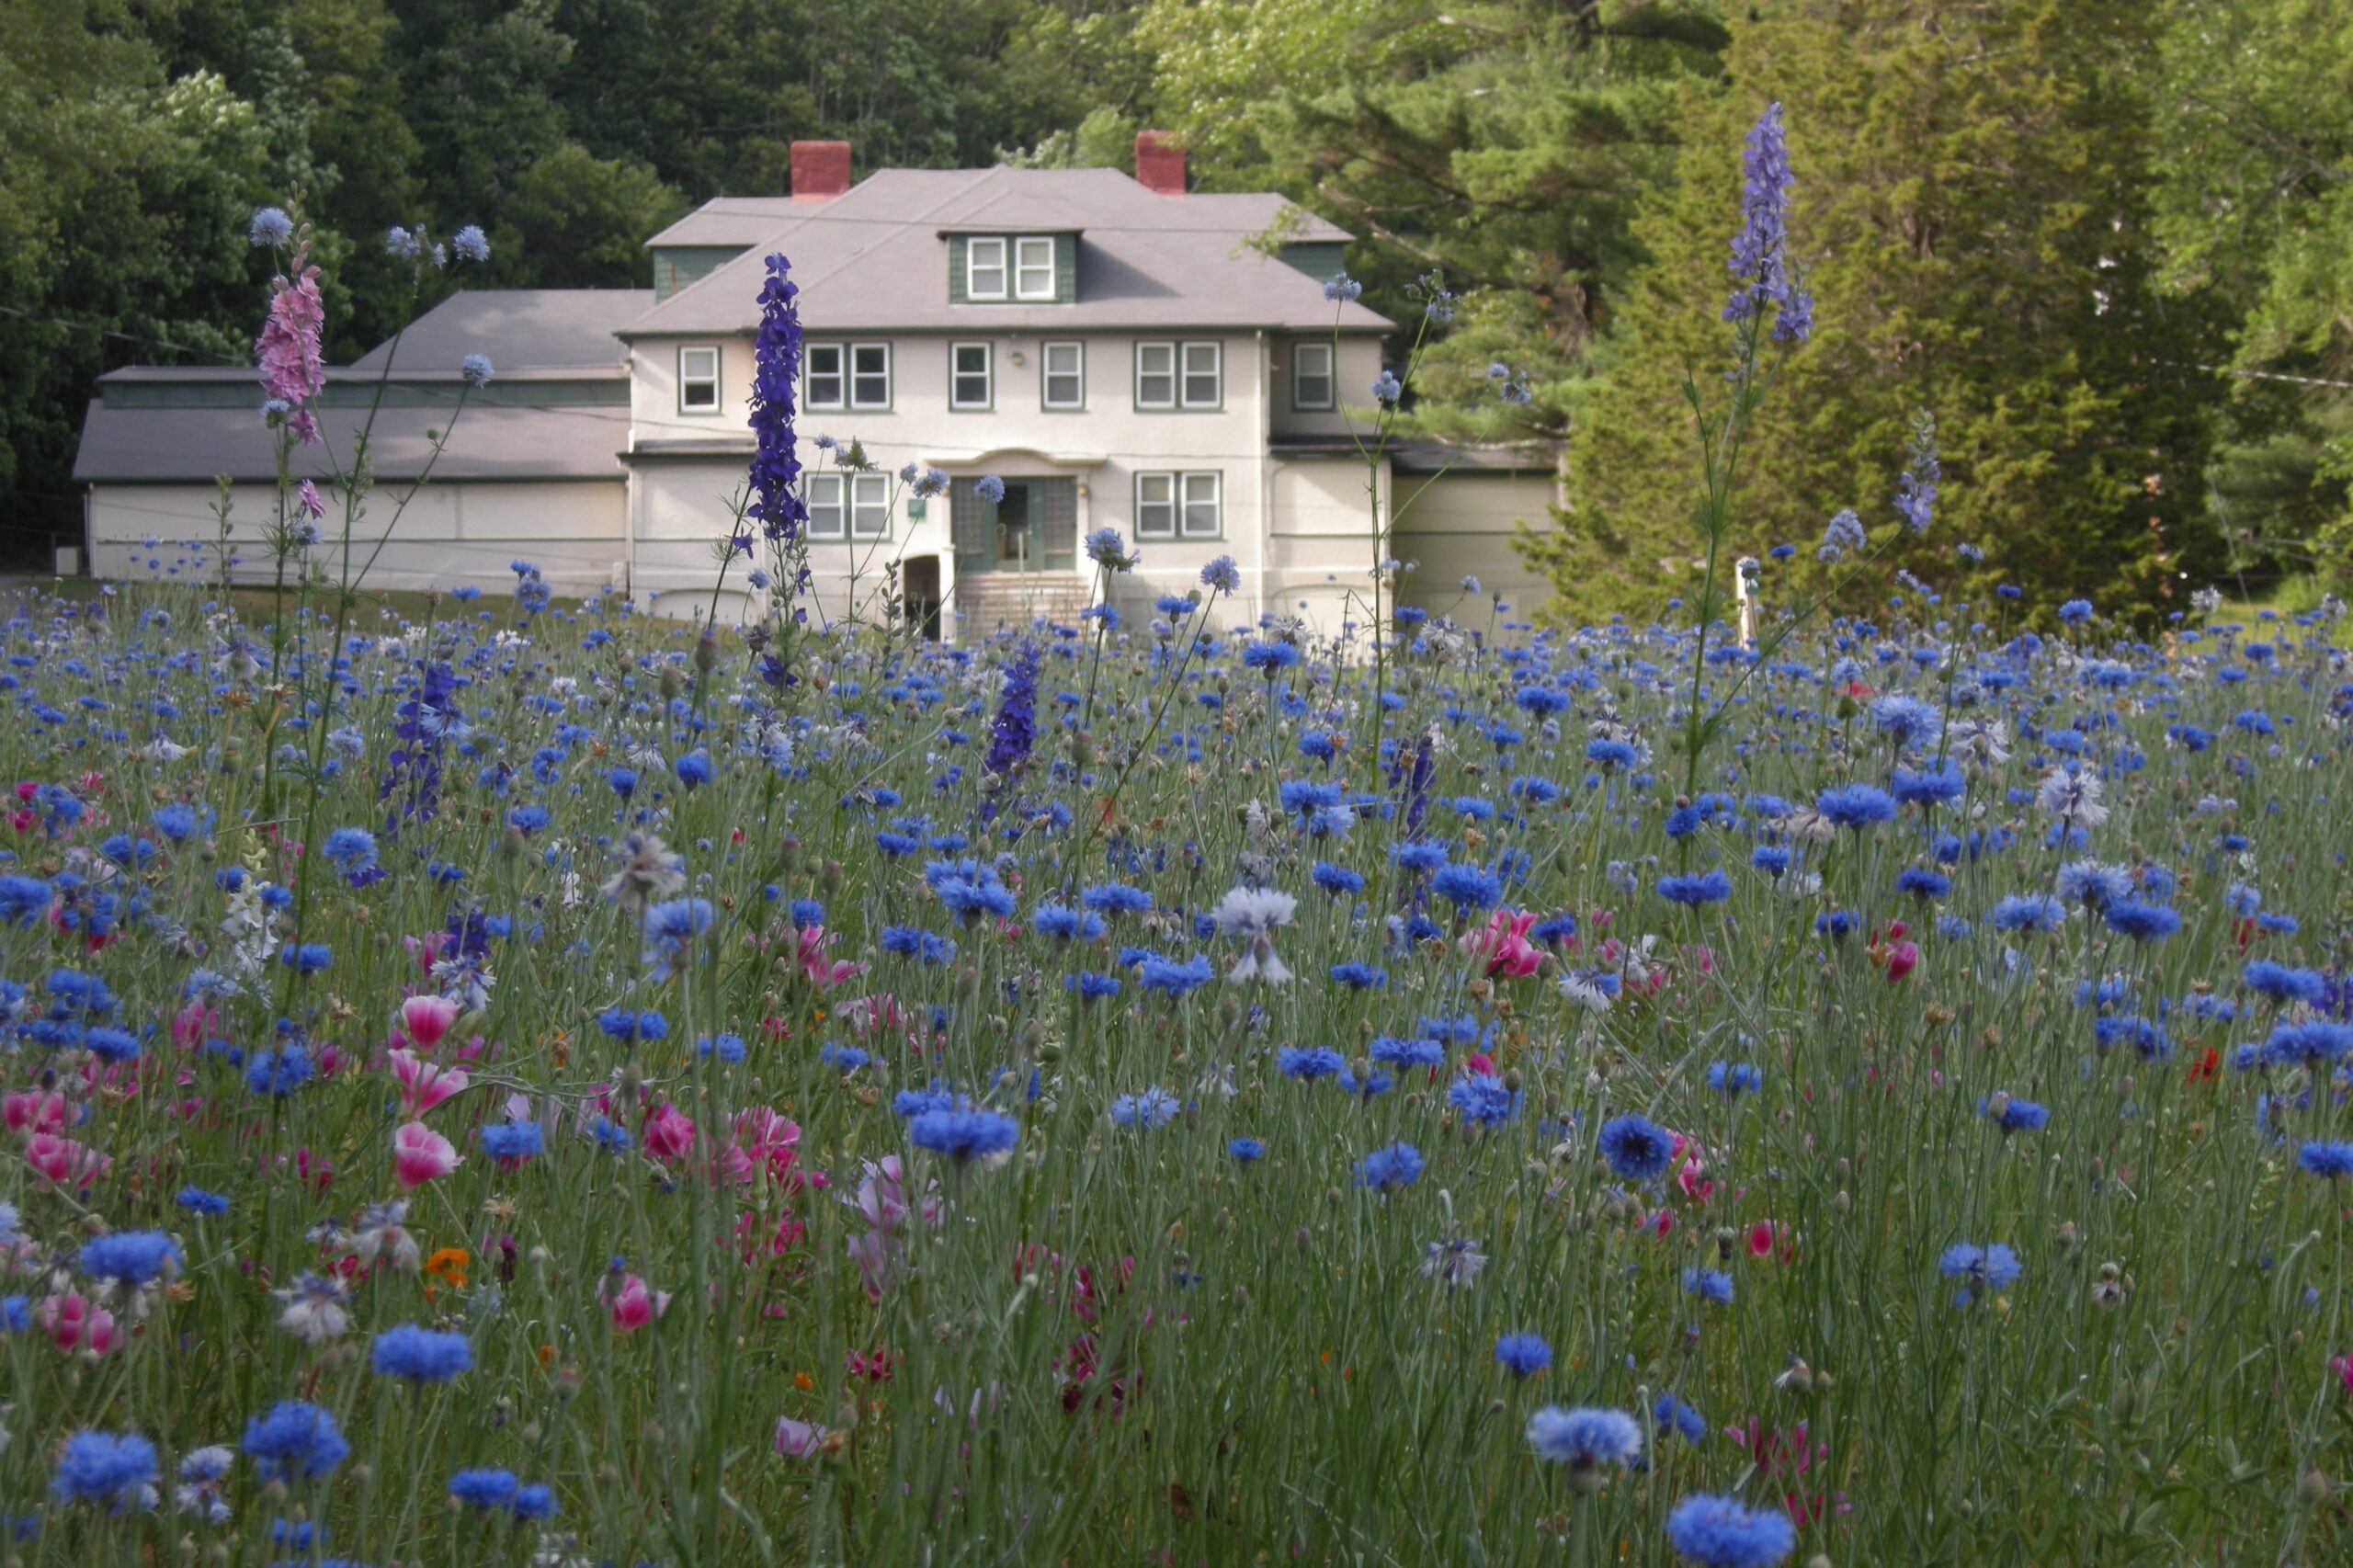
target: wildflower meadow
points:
(500, 1080)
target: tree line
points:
(2110, 247)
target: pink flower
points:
(193, 1024)
(427, 1019)
(632, 1305)
(419, 1155)
(74, 1324)
(2343, 1367)
(36, 1111)
(309, 502)
(797, 1439)
(292, 368)
(423, 1085)
(668, 1133)
(825, 972)
(1902, 958)
(63, 1161)
(1504, 945)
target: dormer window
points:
(983, 269)
(1033, 266)
(998, 270)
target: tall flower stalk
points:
(777, 504)
(1770, 303)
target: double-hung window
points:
(1311, 376)
(1033, 266)
(1180, 375)
(1175, 505)
(698, 381)
(846, 376)
(1064, 376)
(983, 269)
(849, 506)
(970, 379)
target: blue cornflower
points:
(2012, 1115)
(130, 1257)
(1922, 883)
(1223, 575)
(1708, 887)
(1155, 1106)
(1061, 921)
(296, 1441)
(1636, 1147)
(512, 1139)
(1717, 1532)
(2330, 1160)
(1671, 1415)
(1734, 1077)
(1360, 976)
(278, 1072)
(1481, 1097)
(1979, 1268)
(1523, 1355)
(484, 1488)
(270, 227)
(24, 900)
(2075, 612)
(535, 1502)
(1246, 1150)
(107, 1467)
(1856, 805)
(1091, 987)
(1584, 1439)
(2306, 1044)
(1269, 657)
(470, 243)
(2033, 912)
(1335, 880)
(964, 1135)
(2143, 922)
(475, 370)
(1115, 898)
(1309, 1062)
(196, 1200)
(1106, 550)
(306, 957)
(1608, 753)
(693, 769)
(1414, 1052)
(1385, 1170)
(2282, 984)
(351, 848)
(420, 1354)
(1467, 887)
(1709, 1284)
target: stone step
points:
(989, 602)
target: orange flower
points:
(802, 1382)
(451, 1263)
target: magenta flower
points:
(419, 1155)
(293, 367)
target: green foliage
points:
(2254, 142)
(1506, 146)
(1974, 205)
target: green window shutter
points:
(956, 273)
(1065, 269)
(971, 524)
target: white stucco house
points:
(1121, 351)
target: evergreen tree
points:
(1504, 145)
(1973, 206)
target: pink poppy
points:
(631, 1303)
(34, 1109)
(816, 966)
(427, 1019)
(669, 1133)
(423, 1085)
(63, 1161)
(1504, 945)
(419, 1155)
(74, 1324)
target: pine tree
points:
(1972, 211)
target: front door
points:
(1034, 529)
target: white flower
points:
(1584, 991)
(2073, 796)
(1252, 911)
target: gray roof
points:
(873, 259)
(154, 446)
(519, 328)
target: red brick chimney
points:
(821, 170)
(1160, 162)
